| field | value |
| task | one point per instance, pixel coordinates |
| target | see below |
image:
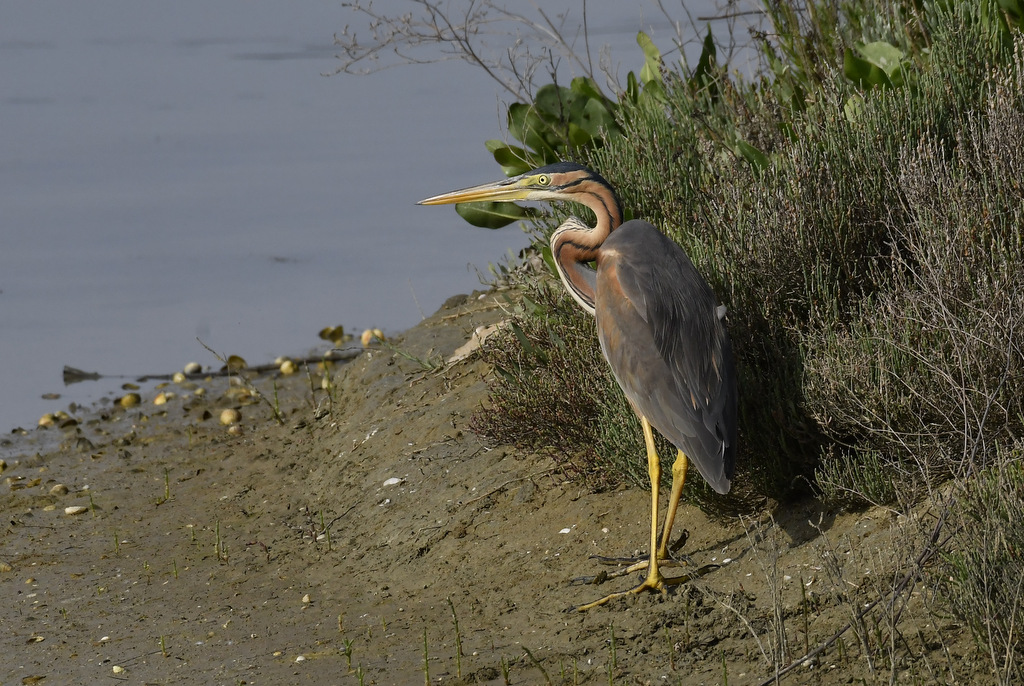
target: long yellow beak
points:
(509, 189)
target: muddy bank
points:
(343, 544)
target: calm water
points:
(178, 170)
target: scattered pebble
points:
(307, 598)
(129, 400)
(288, 367)
(300, 658)
(162, 398)
(192, 368)
(59, 489)
(47, 420)
(75, 509)
(393, 481)
(179, 378)
(242, 395)
(118, 669)
(334, 334)
(5, 567)
(3, 466)
(566, 530)
(235, 429)
(371, 335)
(230, 416)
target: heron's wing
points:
(662, 334)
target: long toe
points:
(649, 584)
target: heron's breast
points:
(611, 299)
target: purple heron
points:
(659, 326)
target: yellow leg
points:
(654, 580)
(679, 468)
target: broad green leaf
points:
(526, 126)
(553, 101)
(519, 120)
(708, 57)
(651, 71)
(886, 57)
(597, 119)
(632, 88)
(863, 73)
(513, 160)
(587, 87)
(757, 159)
(492, 215)
(654, 93)
(854, 108)
(578, 136)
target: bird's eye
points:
(544, 180)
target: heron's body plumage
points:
(666, 346)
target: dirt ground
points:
(375, 539)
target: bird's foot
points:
(667, 555)
(649, 584)
(656, 583)
(629, 565)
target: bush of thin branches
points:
(872, 269)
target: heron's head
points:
(559, 181)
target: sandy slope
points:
(283, 552)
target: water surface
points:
(178, 170)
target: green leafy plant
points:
(561, 123)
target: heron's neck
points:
(574, 245)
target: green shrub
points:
(983, 577)
(865, 240)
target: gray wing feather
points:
(673, 357)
